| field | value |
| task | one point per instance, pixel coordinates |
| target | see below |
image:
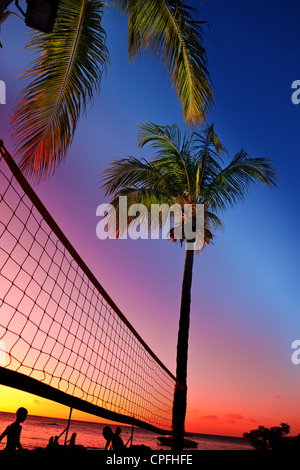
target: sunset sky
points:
(245, 294)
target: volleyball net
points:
(61, 335)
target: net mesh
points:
(56, 326)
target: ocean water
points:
(37, 430)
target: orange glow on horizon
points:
(219, 423)
(11, 399)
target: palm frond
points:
(232, 183)
(172, 155)
(178, 160)
(208, 149)
(62, 79)
(168, 30)
(131, 172)
(212, 221)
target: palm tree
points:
(187, 169)
(69, 62)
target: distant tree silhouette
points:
(274, 438)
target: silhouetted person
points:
(53, 444)
(71, 442)
(50, 443)
(118, 443)
(13, 431)
(108, 436)
(113, 440)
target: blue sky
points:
(245, 299)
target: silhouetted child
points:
(13, 431)
(50, 443)
(72, 441)
(53, 444)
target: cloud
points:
(252, 420)
(37, 402)
(234, 416)
(277, 397)
(210, 417)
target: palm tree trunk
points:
(180, 394)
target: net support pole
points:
(68, 426)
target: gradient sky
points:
(245, 297)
